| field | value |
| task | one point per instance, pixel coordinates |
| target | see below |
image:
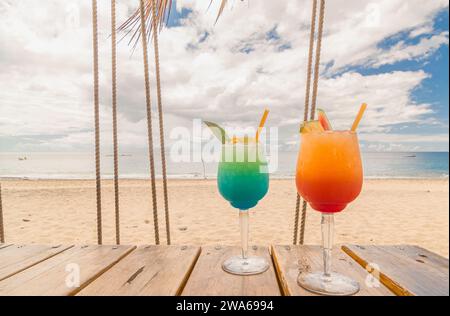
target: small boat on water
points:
(411, 156)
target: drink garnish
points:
(323, 119)
(243, 140)
(359, 117)
(261, 124)
(218, 131)
(311, 126)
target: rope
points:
(97, 124)
(305, 117)
(303, 222)
(149, 120)
(114, 114)
(316, 68)
(2, 230)
(314, 100)
(297, 212)
(161, 120)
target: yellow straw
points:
(261, 123)
(359, 117)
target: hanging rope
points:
(316, 68)
(97, 124)
(2, 230)
(149, 120)
(305, 115)
(161, 119)
(313, 101)
(114, 115)
(303, 222)
(297, 215)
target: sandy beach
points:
(390, 211)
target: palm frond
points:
(132, 27)
(222, 6)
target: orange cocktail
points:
(329, 171)
(329, 176)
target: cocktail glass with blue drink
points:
(243, 180)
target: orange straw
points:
(359, 117)
(261, 123)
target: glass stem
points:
(327, 241)
(243, 220)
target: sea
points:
(81, 165)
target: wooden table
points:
(192, 271)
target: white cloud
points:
(422, 29)
(355, 28)
(402, 51)
(388, 97)
(46, 77)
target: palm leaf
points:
(132, 27)
(222, 6)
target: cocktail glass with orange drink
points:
(329, 176)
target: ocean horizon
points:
(80, 165)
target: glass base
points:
(335, 284)
(249, 266)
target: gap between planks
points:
(188, 274)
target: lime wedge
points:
(218, 131)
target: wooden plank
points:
(208, 278)
(59, 274)
(291, 260)
(149, 270)
(16, 258)
(399, 269)
(420, 255)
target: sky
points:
(391, 54)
